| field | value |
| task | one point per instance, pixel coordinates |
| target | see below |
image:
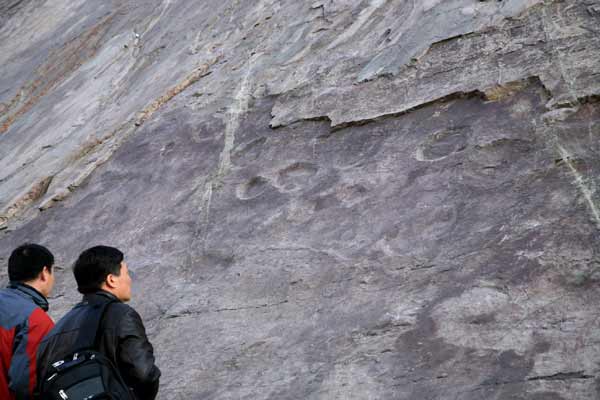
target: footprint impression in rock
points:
(253, 188)
(296, 176)
(291, 178)
(441, 145)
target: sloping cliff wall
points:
(321, 200)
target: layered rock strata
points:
(328, 200)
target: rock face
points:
(329, 200)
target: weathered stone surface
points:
(422, 224)
(556, 43)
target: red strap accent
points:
(39, 326)
(6, 342)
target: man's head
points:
(32, 264)
(103, 268)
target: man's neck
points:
(106, 289)
(31, 292)
(37, 286)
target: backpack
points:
(85, 374)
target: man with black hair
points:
(102, 277)
(23, 318)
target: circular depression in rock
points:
(253, 188)
(441, 144)
(297, 175)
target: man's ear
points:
(111, 281)
(44, 274)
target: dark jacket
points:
(23, 324)
(122, 338)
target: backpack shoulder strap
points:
(88, 333)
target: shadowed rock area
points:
(321, 200)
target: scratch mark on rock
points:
(188, 313)
(239, 107)
(581, 183)
(562, 376)
(290, 248)
(257, 307)
(205, 210)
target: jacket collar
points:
(99, 296)
(30, 293)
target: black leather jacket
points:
(122, 338)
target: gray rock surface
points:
(335, 199)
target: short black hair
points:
(94, 265)
(27, 261)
